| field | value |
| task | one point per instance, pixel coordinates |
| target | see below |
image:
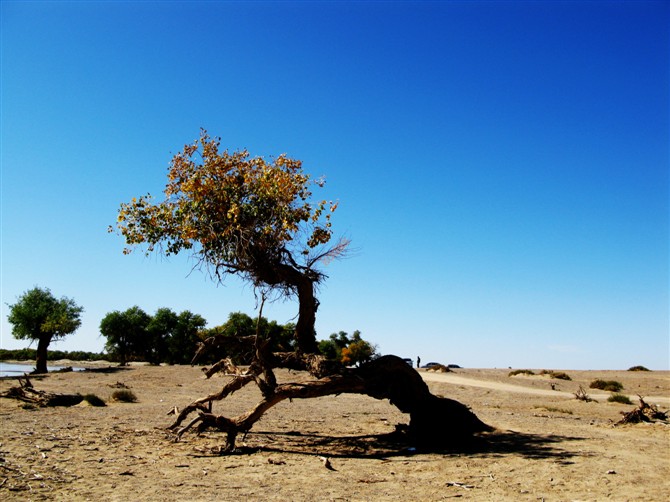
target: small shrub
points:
(521, 372)
(638, 368)
(553, 409)
(125, 396)
(559, 375)
(94, 400)
(608, 385)
(619, 398)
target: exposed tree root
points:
(434, 421)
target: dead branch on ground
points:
(27, 393)
(643, 413)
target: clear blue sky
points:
(502, 167)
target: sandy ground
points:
(548, 446)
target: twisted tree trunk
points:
(434, 421)
(304, 328)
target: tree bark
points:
(302, 282)
(41, 356)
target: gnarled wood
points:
(643, 413)
(27, 393)
(433, 420)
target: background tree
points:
(113, 328)
(164, 337)
(240, 327)
(348, 350)
(332, 347)
(184, 338)
(358, 351)
(244, 216)
(160, 329)
(126, 334)
(38, 315)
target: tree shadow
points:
(385, 446)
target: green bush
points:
(638, 368)
(521, 372)
(608, 385)
(94, 400)
(125, 396)
(619, 398)
(559, 375)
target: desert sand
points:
(547, 444)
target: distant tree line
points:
(164, 337)
(53, 355)
(167, 337)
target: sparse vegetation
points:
(553, 409)
(124, 396)
(619, 398)
(94, 400)
(559, 375)
(608, 385)
(638, 368)
(520, 372)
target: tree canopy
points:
(349, 350)
(39, 315)
(253, 218)
(164, 337)
(240, 326)
(241, 215)
(125, 333)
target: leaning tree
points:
(246, 216)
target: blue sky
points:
(501, 167)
